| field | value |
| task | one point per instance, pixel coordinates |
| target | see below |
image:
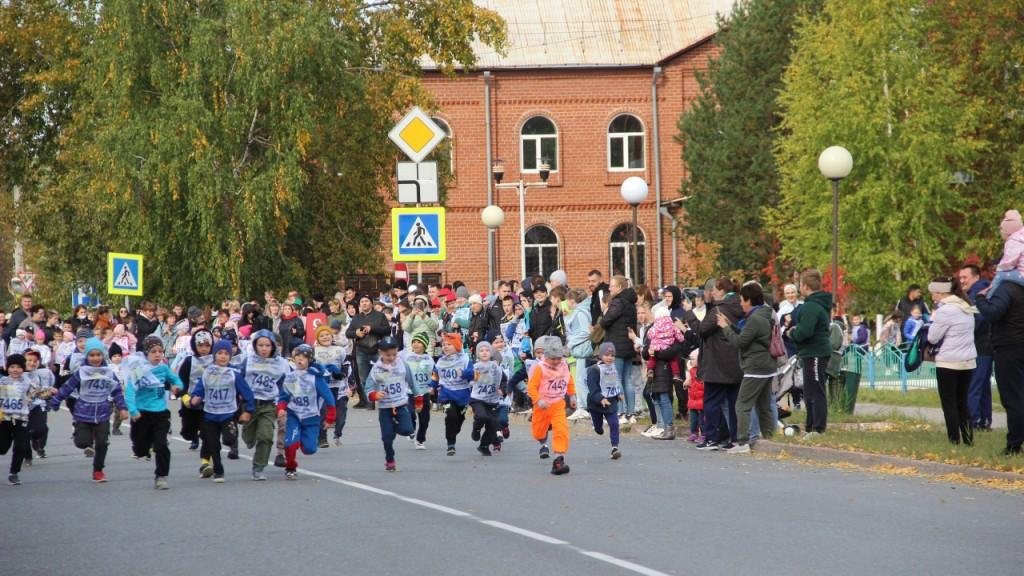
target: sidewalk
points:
(930, 414)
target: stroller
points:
(790, 383)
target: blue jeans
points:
(979, 395)
(696, 421)
(720, 411)
(624, 366)
(503, 415)
(393, 422)
(364, 361)
(1005, 276)
(581, 383)
(663, 401)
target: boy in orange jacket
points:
(547, 387)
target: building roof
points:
(598, 33)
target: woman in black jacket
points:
(291, 330)
(618, 318)
(660, 386)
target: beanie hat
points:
(150, 342)
(16, 360)
(221, 345)
(605, 349)
(303, 350)
(1011, 223)
(115, 350)
(83, 333)
(321, 329)
(462, 292)
(454, 339)
(94, 344)
(484, 345)
(560, 277)
(422, 338)
(476, 299)
(661, 312)
(551, 346)
(387, 343)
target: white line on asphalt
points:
(624, 564)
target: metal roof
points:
(597, 33)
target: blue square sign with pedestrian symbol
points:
(417, 234)
(124, 274)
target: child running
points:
(453, 374)
(489, 387)
(388, 385)
(420, 366)
(332, 358)
(147, 380)
(263, 370)
(190, 371)
(548, 386)
(96, 385)
(604, 394)
(17, 391)
(38, 429)
(217, 391)
(663, 334)
(302, 391)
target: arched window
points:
(619, 249)
(538, 142)
(443, 125)
(625, 143)
(541, 251)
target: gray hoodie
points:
(754, 342)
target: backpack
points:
(777, 348)
(920, 350)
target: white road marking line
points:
(523, 532)
(626, 564)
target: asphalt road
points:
(664, 508)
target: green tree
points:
(241, 145)
(864, 76)
(728, 134)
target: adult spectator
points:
(810, 333)
(292, 330)
(480, 321)
(421, 321)
(558, 278)
(598, 293)
(790, 302)
(979, 396)
(540, 313)
(718, 364)
(912, 299)
(496, 308)
(23, 313)
(660, 385)
(146, 322)
(953, 327)
(577, 336)
(1005, 312)
(618, 319)
(365, 330)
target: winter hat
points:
(476, 299)
(221, 345)
(454, 339)
(462, 292)
(194, 313)
(203, 337)
(552, 346)
(39, 334)
(321, 329)
(605, 349)
(303, 350)
(150, 342)
(401, 285)
(661, 312)
(414, 288)
(540, 288)
(1011, 223)
(484, 345)
(83, 333)
(16, 360)
(115, 350)
(387, 343)
(422, 338)
(94, 344)
(559, 277)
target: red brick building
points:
(580, 87)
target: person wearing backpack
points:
(753, 337)
(810, 333)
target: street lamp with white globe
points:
(835, 163)
(493, 217)
(634, 192)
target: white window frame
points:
(537, 138)
(641, 242)
(624, 144)
(557, 245)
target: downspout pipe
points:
(656, 138)
(491, 255)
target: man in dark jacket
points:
(718, 363)
(540, 314)
(598, 294)
(366, 329)
(17, 317)
(618, 319)
(979, 395)
(1005, 312)
(810, 333)
(480, 323)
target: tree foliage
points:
(241, 144)
(728, 134)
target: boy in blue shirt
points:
(218, 390)
(302, 390)
(147, 379)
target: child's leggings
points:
(300, 434)
(553, 416)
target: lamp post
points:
(835, 163)
(492, 216)
(634, 192)
(498, 172)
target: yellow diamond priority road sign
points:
(416, 135)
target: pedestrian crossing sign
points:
(124, 274)
(417, 234)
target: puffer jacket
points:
(953, 325)
(719, 360)
(617, 320)
(662, 381)
(754, 341)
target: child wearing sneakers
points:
(17, 391)
(548, 386)
(1011, 266)
(421, 367)
(507, 360)
(38, 429)
(695, 401)
(332, 358)
(146, 383)
(489, 387)
(663, 334)
(604, 393)
(263, 370)
(217, 391)
(302, 391)
(388, 385)
(453, 374)
(96, 384)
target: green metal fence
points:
(883, 367)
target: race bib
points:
(96, 384)
(301, 387)
(219, 385)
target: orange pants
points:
(553, 416)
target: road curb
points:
(825, 454)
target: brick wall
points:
(582, 203)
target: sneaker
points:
(654, 431)
(616, 454)
(149, 457)
(390, 466)
(136, 457)
(484, 450)
(496, 447)
(99, 477)
(691, 438)
(559, 467)
(727, 446)
(194, 445)
(623, 419)
(545, 452)
(279, 461)
(505, 432)
(160, 483)
(324, 443)
(669, 433)
(451, 450)
(579, 414)
(337, 442)
(13, 480)
(739, 449)
(257, 474)
(291, 475)
(475, 435)
(89, 452)
(218, 478)
(700, 439)
(631, 419)
(708, 446)
(421, 446)
(116, 432)
(205, 471)
(809, 436)
(232, 453)
(599, 429)
(647, 430)
(41, 453)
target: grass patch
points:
(799, 417)
(920, 440)
(913, 398)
